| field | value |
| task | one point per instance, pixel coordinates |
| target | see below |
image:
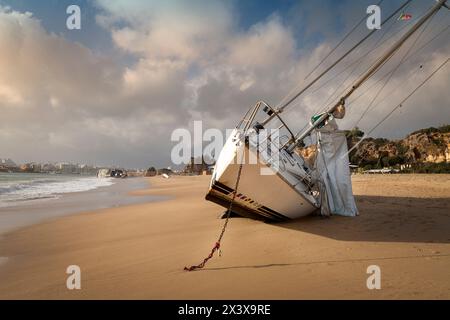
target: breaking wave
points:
(27, 188)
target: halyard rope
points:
(398, 106)
(217, 245)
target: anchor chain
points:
(217, 244)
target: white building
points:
(65, 167)
(7, 163)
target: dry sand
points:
(139, 251)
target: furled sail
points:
(332, 170)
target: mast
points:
(390, 52)
(310, 84)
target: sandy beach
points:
(138, 251)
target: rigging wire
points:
(379, 43)
(400, 104)
(368, 74)
(357, 62)
(329, 54)
(338, 45)
(391, 73)
(395, 89)
(282, 107)
(408, 58)
(387, 74)
(360, 59)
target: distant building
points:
(198, 168)
(381, 171)
(48, 167)
(7, 165)
(87, 170)
(67, 168)
(31, 167)
(151, 172)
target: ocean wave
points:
(14, 192)
(20, 185)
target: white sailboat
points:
(281, 184)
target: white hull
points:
(281, 195)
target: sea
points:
(20, 188)
(31, 198)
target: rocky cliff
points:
(431, 145)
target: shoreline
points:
(138, 251)
(120, 193)
(34, 212)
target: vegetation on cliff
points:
(426, 150)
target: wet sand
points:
(31, 212)
(139, 251)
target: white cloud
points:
(190, 62)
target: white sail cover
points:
(332, 166)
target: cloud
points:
(177, 30)
(62, 97)
(188, 61)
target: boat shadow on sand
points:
(384, 219)
(381, 219)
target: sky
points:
(113, 92)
